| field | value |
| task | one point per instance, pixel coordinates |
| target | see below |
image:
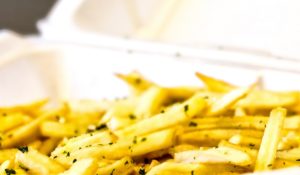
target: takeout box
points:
(34, 68)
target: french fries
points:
(218, 129)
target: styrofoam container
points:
(71, 71)
(269, 27)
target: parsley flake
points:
(10, 171)
(23, 149)
(186, 108)
(193, 124)
(142, 171)
(102, 126)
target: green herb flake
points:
(192, 172)
(10, 171)
(23, 149)
(102, 126)
(126, 162)
(132, 117)
(143, 139)
(134, 140)
(138, 80)
(74, 160)
(24, 167)
(186, 108)
(142, 171)
(193, 124)
(112, 172)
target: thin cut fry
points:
(267, 152)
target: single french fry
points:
(175, 115)
(227, 100)
(122, 109)
(48, 145)
(217, 155)
(262, 99)
(291, 154)
(280, 163)
(123, 166)
(11, 121)
(136, 81)
(182, 147)
(289, 141)
(38, 163)
(173, 168)
(150, 102)
(251, 142)
(181, 92)
(58, 130)
(82, 167)
(251, 152)
(24, 108)
(215, 135)
(85, 140)
(267, 151)
(136, 146)
(246, 122)
(214, 84)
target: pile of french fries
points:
(216, 129)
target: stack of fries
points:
(217, 129)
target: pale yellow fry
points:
(172, 168)
(181, 147)
(58, 130)
(223, 155)
(251, 152)
(251, 142)
(246, 122)
(18, 135)
(121, 110)
(131, 147)
(226, 101)
(291, 154)
(136, 81)
(204, 136)
(84, 140)
(267, 152)
(292, 123)
(290, 140)
(150, 102)
(181, 92)
(123, 166)
(280, 163)
(214, 84)
(175, 168)
(82, 167)
(7, 154)
(171, 117)
(25, 108)
(48, 145)
(262, 99)
(38, 163)
(11, 121)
